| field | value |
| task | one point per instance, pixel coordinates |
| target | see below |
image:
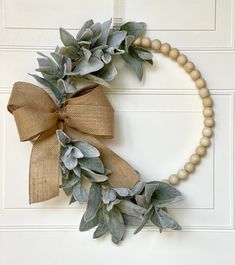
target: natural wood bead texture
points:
(204, 94)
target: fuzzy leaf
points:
(87, 149)
(134, 63)
(129, 208)
(147, 216)
(101, 230)
(62, 137)
(86, 25)
(65, 86)
(96, 80)
(115, 224)
(66, 38)
(144, 54)
(87, 225)
(92, 176)
(93, 163)
(70, 182)
(105, 27)
(138, 188)
(116, 38)
(69, 51)
(79, 193)
(110, 206)
(93, 203)
(166, 221)
(134, 28)
(165, 194)
(149, 190)
(108, 72)
(108, 196)
(123, 192)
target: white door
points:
(158, 124)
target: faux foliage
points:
(110, 209)
(88, 56)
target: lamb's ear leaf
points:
(134, 28)
(115, 223)
(146, 217)
(166, 221)
(87, 225)
(92, 163)
(134, 63)
(94, 201)
(129, 208)
(62, 137)
(66, 38)
(101, 230)
(79, 193)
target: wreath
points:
(66, 117)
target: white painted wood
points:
(162, 113)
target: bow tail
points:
(44, 175)
(123, 175)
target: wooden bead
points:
(182, 59)
(208, 122)
(208, 132)
(195, 74)
(182, 174)
(201, 150)
(189, 167)
(146, 42)
(174, 180)
(137, 42)
(195, 159)
(208, 112)
(203, 92)
(188, 67)
(207, 102)
(156, 45)
(174, 54)
(165, 48)
(205, 141)
(200, 83)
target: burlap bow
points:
(83, 117)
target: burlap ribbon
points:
(83, 117)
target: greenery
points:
(110, 209)
(88, 57)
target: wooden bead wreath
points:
(204, 93)
(65, 116)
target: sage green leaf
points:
(93, 203)
(68, 158)
(116, 38)
(123, 192)
(62, 137)
(77, 171)
(86, 67)
(69, 51)
(92, 176)
(140, 200)
(134, 28)
(96, 29)
(106, 57)
(64, 170)
(156, 221)
(86, 36)
(68, 191)
(66, 87)
(47, 84)
(115, 223)
(47, 58)
(165, 194)
(87, 149)
(87, 225)
(108, 196)
(97, 80)
(146, 217)
(53, 71)
(70, 182)
(43, 62)
(92, 163)
(57, 57)
(87, 53)
(108, 72)
(109, 207)
(144, 54)
(128, 41)
(79, 193)
(131, 220)
(138, 188)
(129, 208)
(149, 190)
(66, 38)
(86, 25)
(166, 221)
(105, 27)
(101, 230)
(72, 200)
(134, 63)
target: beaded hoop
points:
(203, 92)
